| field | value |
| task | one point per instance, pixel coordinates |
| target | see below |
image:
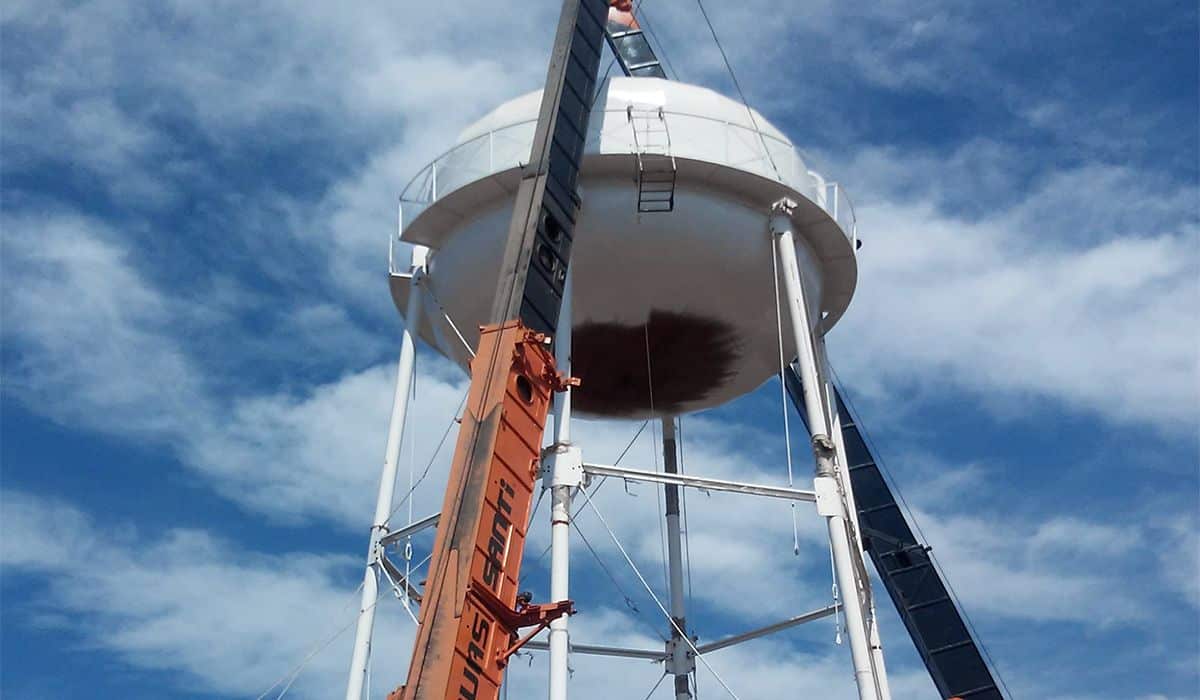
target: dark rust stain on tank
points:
(689, 356)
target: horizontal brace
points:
(397, 535)
(976, 691)
(699, 482)
(769, 629)
(905, 569)
(398, 578)
(595, 650)
(876, 509)
(952, 647)
(928, 603)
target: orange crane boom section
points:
(471, 609)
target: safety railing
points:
(694, 136)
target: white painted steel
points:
(410, 530)
(562, 479)
(387, 482)
(559, 638)
(881, 676)
(769, 629)
(705, 126)
(599, 650)
(799, 314)
(699, 482)
(843, 466)
(704, 259)
(820, 424)
(680, 664)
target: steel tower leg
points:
(565, 473)
(843, 466)
(831, 502)
(387, 480)
(679, 662)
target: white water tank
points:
(673, 311)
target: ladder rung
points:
(951, 647)
(928, 603)
(977, 691)
(906, 569)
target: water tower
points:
(678, 252)
(672, 246)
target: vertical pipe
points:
(387, 480)
(881, 677)
(872, 623)
(560, 505)
(824, 451)
(680, 665)
(839, 443)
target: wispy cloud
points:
(196, 203)
(1063, 295)
(229, 620)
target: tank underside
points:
(676, 348)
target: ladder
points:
(655, 163)
(937, 627)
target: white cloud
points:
(1064, 295)
(92, 331)
(1079, 286)
(319, 454)
(101, 349)
(1179, 557)
(1018, 571)
(233, 621)
(230, 621)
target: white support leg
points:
(843, 464)
(829, 498)
(881, 677)
(565, 473)
(679, 663)
(387, 480)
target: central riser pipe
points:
(679, 662)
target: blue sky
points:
(197, 335)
